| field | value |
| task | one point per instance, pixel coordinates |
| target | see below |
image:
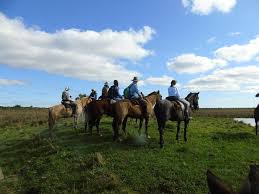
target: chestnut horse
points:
(124, 109)
(250, 186)
(59, 111)
(94, 112)
(167, 110)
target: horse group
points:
(121, 110)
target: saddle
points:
(66, 104)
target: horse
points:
(172, 110)
(94, 112)
(124, 109)
(250, 186)
(256, 115)
(60, 111)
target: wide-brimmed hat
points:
(106, 83)
(67, 88)
(135, 79)
(93, 90)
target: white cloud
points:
(163, 81)
(239, 53)
(230, 79)
(191, 63)
(233, 34)
(87, 55)
(8, 82)
(205, 7)
(211, 39)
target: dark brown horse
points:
(125, 109)
(166, 110)
(94, 112)
(256, 116)
(250, 186)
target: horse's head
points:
(85, 100)
(193, 98)
(154, 96)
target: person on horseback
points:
(93, 95)
(136, 95)
(105, 90)
(173, 95)
(66, 101)
(113, 92)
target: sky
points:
(208, 46)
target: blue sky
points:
(207, 46)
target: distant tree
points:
(17, 106)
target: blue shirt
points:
(134, 92)
(173, 91)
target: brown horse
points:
(94, 112)
(125, 108)
(250, 186)
(256, 116)
(59, 111)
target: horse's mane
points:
(189, 95)
(152, 93)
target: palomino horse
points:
(256, 116)
(59, 111)
(167, 110)
(250, 186)
(124, 109)
(94, 112)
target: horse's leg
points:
(85, 126)
(146, 127)
(161, 126)
(140, 126)
(97, 124)
(115, 129)
(90, 126)
(124, 123)
(186, 122)
(75, 123)
(256, 127)
(178, 129)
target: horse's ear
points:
(198, 92)
(158, 91)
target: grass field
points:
(33, 163)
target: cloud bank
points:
(205, 7)
(87, 55)
(191, 63)
(8, 82)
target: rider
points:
(66, 99)
(93, 95)
(135, 94)
(105, 90)
(113, 92)
(174, 95)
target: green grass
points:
(31, 162)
